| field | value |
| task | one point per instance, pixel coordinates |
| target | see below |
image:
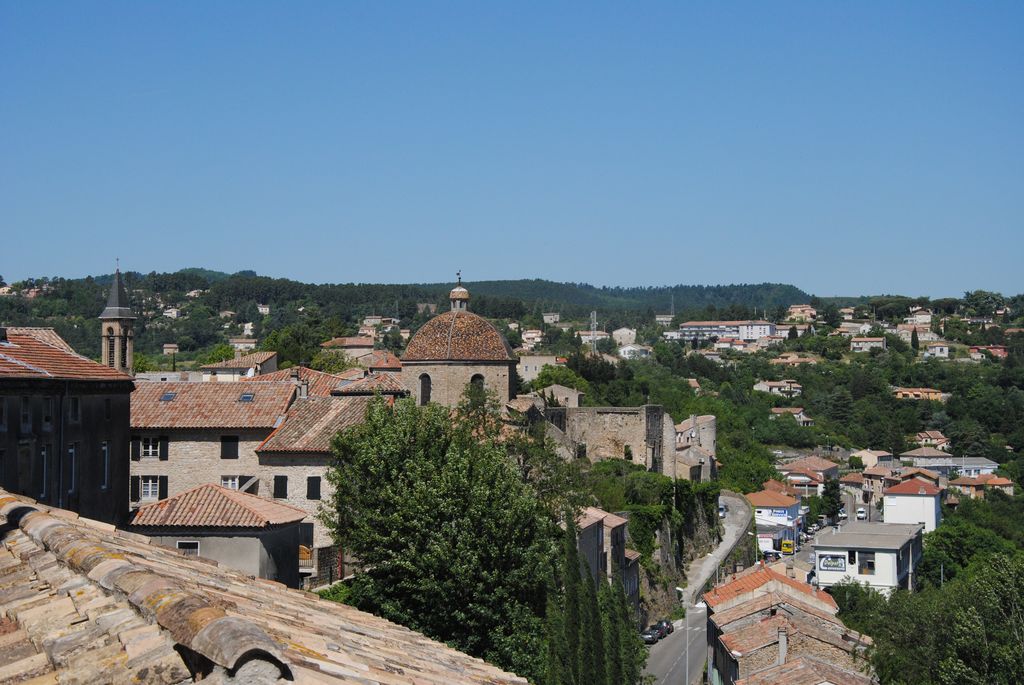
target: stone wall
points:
(607, 432)
(449, 379)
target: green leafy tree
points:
(831, 499)
(453, 543)
(560, 375)
(332, 361)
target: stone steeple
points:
(117, 331)
(459, 296)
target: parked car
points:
(721, 511)
(662, 630)
(772, 555)
(862, 514)
(842, 513)
(650, 636)
(666, 625)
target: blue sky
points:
(847, 148)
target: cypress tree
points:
(914, 342)
(612, 634)
(592, 666)
(556, 656)
(571, 585)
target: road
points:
(667, 660)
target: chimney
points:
(3, 333)
(238, 353)
(783, 645)
(304, 389)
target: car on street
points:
(772, 555)
(721, 511)
(651, 635)
(666, 626)
(862, 514)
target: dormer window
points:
(247, 397)
(168, 396)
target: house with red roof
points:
(255, 535)
(975, 487)
(915, 500)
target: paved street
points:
(667, 661)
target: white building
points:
(920, 317)
(530, 364)
(589, 337)
(532, 337)
(172, 313)
(672, 335)
(263, 309)
(624, 336)
(913, 501)
(635, 351)
(937, 350)
(783, 388)
(774, 508)
(866, 344)
(882, 555)
(551, 317)
(743, 330)
(663, 319)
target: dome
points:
(458, 336)
(458, 293)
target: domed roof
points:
(458, 293)
(458, 336)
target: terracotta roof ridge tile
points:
(190, 618)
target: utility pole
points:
(593, 332)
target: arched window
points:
(477, 381)
(110, 346)
(424, 389)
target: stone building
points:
(455, 349)
(64, 423)
(189, 434)
(292, 468)
(118, 329)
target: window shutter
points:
(280, 487)
(136, 449)
(163, 447)
(229, 447)
(135, 489)
(313, 487)
(162, 485)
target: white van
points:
(862, 514)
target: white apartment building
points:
(882, 555)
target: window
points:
(229, 447)
(151, 448)
(47, 411)
(44, 459)
(150, 487)
(106, 409)
(230, 482)
(74, 409)
(313, 487)
(105, 456)
(72, 466)
(246, 397)
(26, 414)
(168, 396)
(424, 389)
(477, 381)
(280, 487)
(867, 564)
(189, 548)
(851, 557)
(110, 347)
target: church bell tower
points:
(117, 331)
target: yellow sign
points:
(787, 546)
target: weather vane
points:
(458, 274)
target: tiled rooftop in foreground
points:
(83, 602)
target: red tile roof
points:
(805, 671)
(913, 486)
(381, 360)
(246, 361)
(926, 453)
(382, 383)
(770, 498)
(312, 422)
(358, 342)
(213, 506)
(210, 405)
(320, 384)
(610, 520)
(458, 336)
(759, 577)
(41, 353)
(854, 478)
(812, 463)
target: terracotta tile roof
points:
(210, 405)
(381, 360)
(762, 577)
(458, 336)
(878, 471)
(913, 486)
(855, 478)
(374, 383)
(787, 410)
(770, 600)
(357, 342)
(688, 424)
(41, 353)
(587, 518)
(320, 384)
(312, 422)
(806, 671)
(813, 476)
(213, 506)
(610, 520)
(770, 498)
(632, 555)
(926, 452)
(915, 472)
(812, 463)
(246, 361)
(111, 606)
